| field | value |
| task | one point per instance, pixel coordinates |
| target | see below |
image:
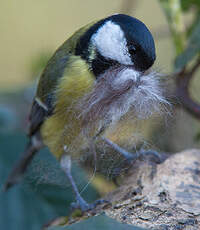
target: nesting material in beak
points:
(119, 90)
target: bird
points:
(93, 80)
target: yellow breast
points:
(63, 127)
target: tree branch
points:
(183, 80)
(154, 196)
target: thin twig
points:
(183, 81)
(195, 67)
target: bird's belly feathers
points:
(63, 128)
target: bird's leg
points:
(66, 166)
(127, 155)
(132, 157)
(80, 202)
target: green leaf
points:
(186, 4)
(193, 48)
(98, 223)
(45, 193)
(174, 15)
(7, 119)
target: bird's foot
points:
(141, 154)
(153, 155)
(84, 206)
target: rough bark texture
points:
(164, 196)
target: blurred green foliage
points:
(45, 192)
(7, 119)
(188, 4)
(186, 37)
(98, 223)
(186, 61)
(191, 51)
(193, 5)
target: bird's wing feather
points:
(43, 103)
(39, 112)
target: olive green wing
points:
(44, 101)
(37, 116)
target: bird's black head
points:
(140, 42)
(118, 39)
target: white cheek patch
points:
(111, 43)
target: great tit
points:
(96, 77)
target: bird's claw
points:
(84, 206)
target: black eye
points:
(132, 49)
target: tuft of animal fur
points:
(119, 90)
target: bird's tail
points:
(19, 169)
